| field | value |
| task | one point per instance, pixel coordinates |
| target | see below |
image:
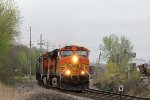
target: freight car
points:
(65, 68)
(144, 69)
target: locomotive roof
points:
(51, 53)
(73, 47)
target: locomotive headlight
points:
(68, 72)
(75, 59)
(82, 72)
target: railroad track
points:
(99, 94)
(102, 95)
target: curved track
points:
(102, 95)
(99, 94)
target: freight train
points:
(64, 68)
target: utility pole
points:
(99, 58)
(118, 59)
(127, 59)
(30, 54)
(41, 43)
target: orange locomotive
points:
(66, 68)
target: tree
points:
(117, 50)
(20, 59)
(9, 23)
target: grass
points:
(32, 91)
(43, 94)
(7, 93)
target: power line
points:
(47, 45)
(53, 46)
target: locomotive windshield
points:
(66, 53)
(82, 53)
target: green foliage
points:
(116, 52)
(20, 54)
(110, 45)
(116, 48)
(134, 85)
(9, 22)
(111, 69)
(98, 71)
(112, 77)
(23, 62)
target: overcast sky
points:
(86, 22)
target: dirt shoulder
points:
(32, 91)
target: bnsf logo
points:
(75, 65)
